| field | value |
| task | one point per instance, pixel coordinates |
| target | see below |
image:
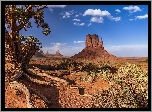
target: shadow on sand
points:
(52, 68)
(50, 92)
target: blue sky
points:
(123, 28)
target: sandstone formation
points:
(94, 50)
(53, 55)
(39, 53)
(58, 53)
(92, 41)
(48, 55)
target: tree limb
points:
(18, 28)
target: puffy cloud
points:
(98, 15)
(58, 44)
(77, 42)
(55, 6)
(130, 14)
(142, 17)
(114, 18)
(89, 24)
(132, 9)
(117, 10)
(96, 12)
(131, 19)
(97, 19)
(79, 24)
(75, 23)
(67, 14)
(76, 19)
(76, 15)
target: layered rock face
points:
(58, 53)
(94, 50)
(39, 54)
(47, 54)
(92, 41)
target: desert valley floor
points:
(73, 87)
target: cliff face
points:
(92, 41)
(39, 54)
(58, 53)
(94, 50)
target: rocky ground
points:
(62, 96)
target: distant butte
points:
(53, 55)
(94, 50)
(40, 53)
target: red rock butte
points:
(40, 53)
(94, 50)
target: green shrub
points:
(147, 60)
(69, 63)
(90, 67)
(128, 90)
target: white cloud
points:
(131, 19)
(117, 10)
(59, 44)
(130, 14)
(142, 17)
(75, 23)
(128, 50)
(98, 15)
(77, 42)
(96, 12)
(97, 19)
(76, 19)
(76, 15)
(79, 24)
(55, 6)
(132, 9)
(114, 18)
(67, 14)
(89, 24)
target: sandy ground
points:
(60, 95)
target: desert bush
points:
(90, 67)
(82, 78)
(128, 90)
(147, 60)
(70, 64)
(94, 71)
(114, 97)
